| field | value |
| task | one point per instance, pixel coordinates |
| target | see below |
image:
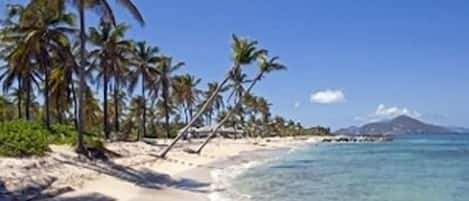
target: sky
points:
(349, 62)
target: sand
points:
(137, 176)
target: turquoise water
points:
(411, 168)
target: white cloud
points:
(383, 112)
(328, 96)
(297, 104)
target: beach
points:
(137, 174)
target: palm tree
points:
(111, 54)
(265, 65)
(92, 110)
(186, 93)
(7, 111)
(61, 88)
(263, 107)
(244, 52)
(62, 82)
(16, 97)
(238, 80)
(45, 26)
(20, 69)
(108, 15)
(18, 56)
(217, 102)
(145, 60)
(166, 68)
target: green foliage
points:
(317, 131)
(62, 134)
(66, 134)
(23, 138)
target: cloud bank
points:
(384, 112)
(328, 96)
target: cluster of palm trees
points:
(56, 70)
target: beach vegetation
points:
(68, 82)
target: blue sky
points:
(371, 59)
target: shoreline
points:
(189, 177)
(138, 176)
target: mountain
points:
(399, 125)
(459, 130)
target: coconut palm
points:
(20, 70)
(109, 58)
(244, 52)
(19, 67)
(108, 15)
(92, 110)
(186, 93)
(7, 110)
(265, 65)
(145, 60)
(16, 97)
(61, 83)
(263, 107)
(133, 118)
(45, 25)
(238, 80)
(217, 102)
(166, 68)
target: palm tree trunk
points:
(28, 99)
(166, 112)
(144, 112)
(19, 98)
(19, 108)
(105, 105)
(80, 146)
(116, 104)
(190, 111)
(58, 110)
(228, 116)
(186, 116)
(199, 113)
(75, 104)
(44, 66)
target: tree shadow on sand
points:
(87, 197)
(44, 192)
(34, 191)
(143, 177)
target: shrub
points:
(23, 138)
(62, 134)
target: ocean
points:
(410, 168)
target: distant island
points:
(398, 126)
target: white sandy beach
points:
(136, 176)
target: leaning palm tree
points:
(166, 68)
(244, 52)
(265, 66)
(103, 6)
(145, 60)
